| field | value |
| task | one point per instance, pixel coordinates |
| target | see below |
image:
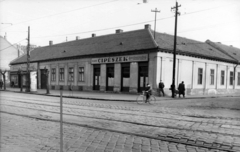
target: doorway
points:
(110, 77)
(96, 77)
(43, 79)
(125, 77)
(142, 76)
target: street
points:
(31, 123)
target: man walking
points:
(181, 89)
(161, 86)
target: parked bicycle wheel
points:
(140, 99)
(152, 99)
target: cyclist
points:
(148, 92)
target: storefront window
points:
(200, 75)
(71, 74)
(53, 74)
(81, 74)
(61, 74)
(231, 78)
(212, 77)
(222, 77)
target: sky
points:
(62, 20)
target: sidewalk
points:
(109, 96)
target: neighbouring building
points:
(127, 61)
(7, 54)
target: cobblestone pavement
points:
(168, 125)
(20, 134)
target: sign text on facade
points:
(117, 59)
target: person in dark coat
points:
(161, 86)
(181, 89)
(148, 92)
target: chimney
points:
(50, 43)
(119, 31)
(77, 37)
(147, 26)
(93, 35)
(145, 1)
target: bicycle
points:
(141, 99)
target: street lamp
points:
(20, 74)
(46, 73)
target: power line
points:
(206, 9)
(12, 44)
(105, 28)
(206, 27)
(64, 12)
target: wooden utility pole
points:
(156, 11)
(28, 63)
(174, 51)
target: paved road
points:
(161, 127)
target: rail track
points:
(167, 126)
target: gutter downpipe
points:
(234, 76)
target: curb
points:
(104, 99)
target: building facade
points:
(127, 61)
(7, 54)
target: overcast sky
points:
(63, 20)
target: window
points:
(61, 74)
(238, 78)
(200, 75)
(222, 77)
(212, 77)
(70, 74)
(231, 78)
(53, 74)
(81, 74)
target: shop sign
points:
(119, 59)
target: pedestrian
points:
(148, 92)
(1, 84)
(161, 86)
(181, 88)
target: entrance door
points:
(142, 76)
(110, 77)
(125, 78)
(96, 77)
(19, 80)
(43, 79)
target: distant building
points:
(127, 61)
(23, 48)
(7, 54)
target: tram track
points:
(188, 142)
(101, 105)
(81, 106)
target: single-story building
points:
(127, 61)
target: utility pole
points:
(28, 63)
(174, 51)
(156, 11)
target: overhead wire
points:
(132, 24)
(63, 12)
(104, 29)
(12, 45)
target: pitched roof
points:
(190, 47)
(113, 43)
(125, 42)
(228, 50)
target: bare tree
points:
(3, 73)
